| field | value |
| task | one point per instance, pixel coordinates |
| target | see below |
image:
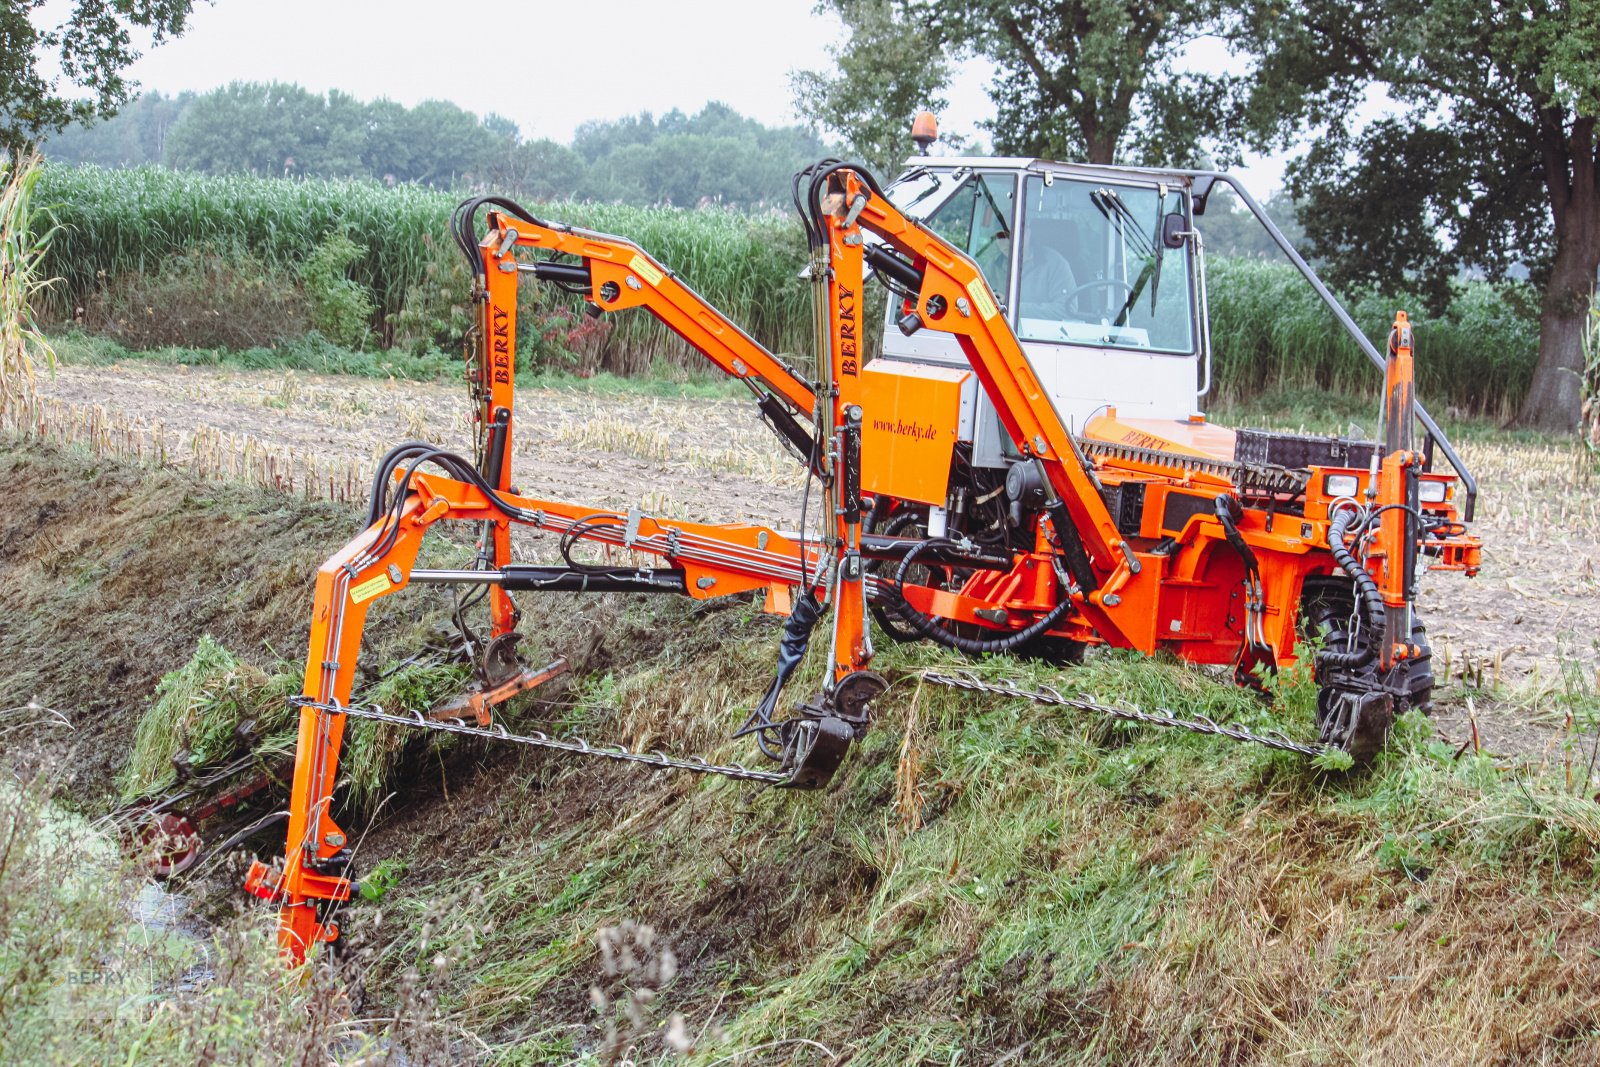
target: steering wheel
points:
(1099, 283)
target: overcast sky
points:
(547, 66)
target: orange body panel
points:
(913, 416)
(1184, 437)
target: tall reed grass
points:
(116, 222)
(1268, 328)
(25, 236)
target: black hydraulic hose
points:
(886, 611)
(380, 477)
(463, 224)
(972, 646)
(814, 197)
(1368, 596)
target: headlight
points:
(1431, 492)
(1337, 485)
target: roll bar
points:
(1203, 182)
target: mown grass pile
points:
(197, 710)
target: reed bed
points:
(115, 222)
(1268, 329)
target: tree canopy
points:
(93, 44)
(887, 72)
(1485, 160)
(283, 129)
(1097, 80)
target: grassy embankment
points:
(986, 878)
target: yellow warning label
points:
(370, 588)
(981, 298)
(646, 270)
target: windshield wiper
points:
(1152, 267)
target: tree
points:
(887, 72)
(446, 143)
(1487, 160)
(1100, 80)
(716, 155)
(93, 46)
(269, 128)
(1231, 230)
(135, 135)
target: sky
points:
(546, 66)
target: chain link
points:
(1200, 724)
(576, 746)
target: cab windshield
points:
(1095, 270)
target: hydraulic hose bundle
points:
(1368, 597)
(973, 646)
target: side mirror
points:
(1173, 227)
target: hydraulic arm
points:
(1105, 542)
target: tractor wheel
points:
(1357, 705)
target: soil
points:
(1506, 631)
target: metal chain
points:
(1200, 724)
(577, 745)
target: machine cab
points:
(1097, 271)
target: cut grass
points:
(197, 709)
(1076, 891)
(1080, 892)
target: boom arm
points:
(613, 274)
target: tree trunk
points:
(1556, 395)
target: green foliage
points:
(1495, 109)
(132, 220)
(280, 129)
(1269, 331)
(1231, 230)
(91, 46)
(887, 72)
(1097, 80)
(25, 236)
(341, 308)
(384, 876)
(374, 751)
(713, 157)
(210, 294)
(133, 137)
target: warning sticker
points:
(370, 588)
(646, 270)
(979, 291)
